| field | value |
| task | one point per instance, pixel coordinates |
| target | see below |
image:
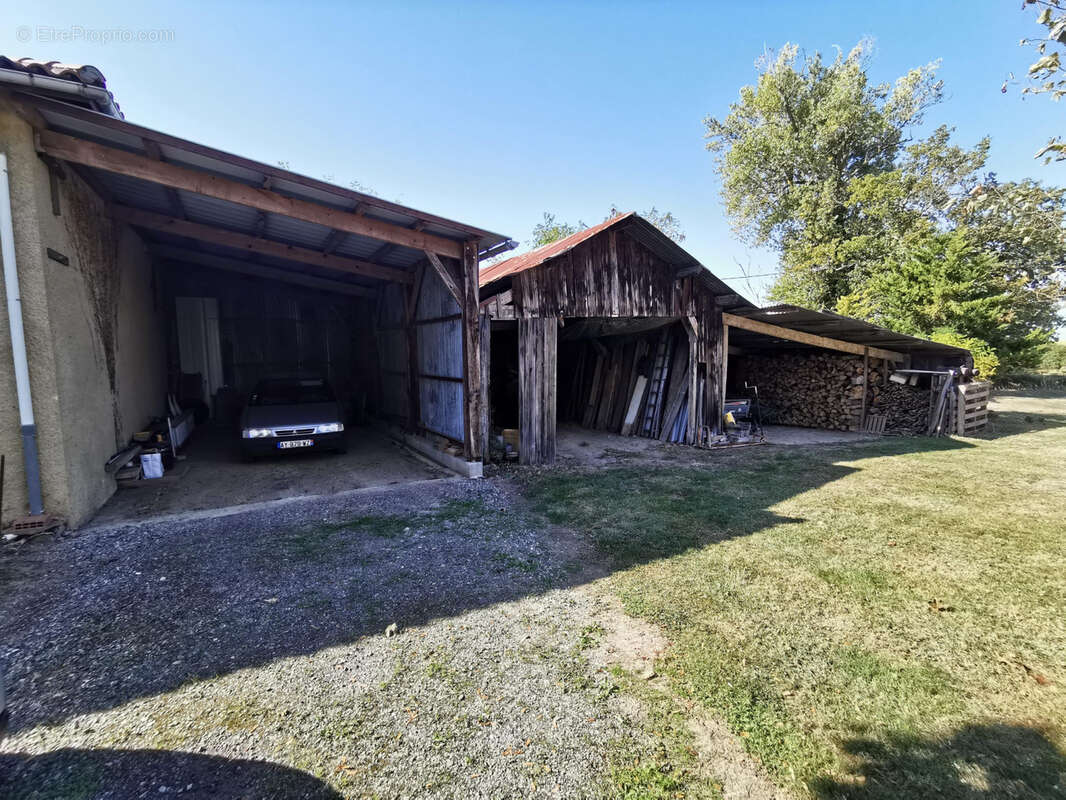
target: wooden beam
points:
(241, 241)
(450, 282)
(472, 398)
(765, 328)
(176, 206)
(98, 156)
(30, 105)
(333, 241)
(259, 270)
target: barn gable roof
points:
(634, 226)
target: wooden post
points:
(691, 429)
(725, 361)
(865, 385)
(472, 415)
(414, 401)
(537, 357)
(711, 330)
(486, 368)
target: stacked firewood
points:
(906, 408)
(812, 390)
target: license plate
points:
(295, 443)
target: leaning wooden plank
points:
(624, 387)
(594, 393)
(634, 405)
(677, 394)
(610, 378)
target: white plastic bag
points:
(152, 465)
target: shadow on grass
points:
(92, 622)
(666, 511)
(1017, 412)
(979, 762)
(83, 774)
(1013, 423)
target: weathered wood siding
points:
(537, 360)
(439, 330)
(610, 275)
(613, 275)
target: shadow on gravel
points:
(975, 763)
(92, 622)
(73, 773)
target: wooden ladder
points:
(657, 384)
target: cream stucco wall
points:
(94, 334)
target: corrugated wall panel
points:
(440, 355)
(440, 349)
(435, 300)
(442, 407)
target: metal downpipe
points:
(18, 344)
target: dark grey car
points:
(291, 413)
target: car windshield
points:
(291, 393)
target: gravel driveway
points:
(252, 655)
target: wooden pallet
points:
(875, 423)
(971, 414)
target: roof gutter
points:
(496, 249)
(100, 98)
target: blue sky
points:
(492, 113)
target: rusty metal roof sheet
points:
(535, 258)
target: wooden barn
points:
(619, 329)
(615, 327)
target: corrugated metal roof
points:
(834, 326)
(634, 226)
(92, 126)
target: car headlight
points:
(257, 433)
(330, 427)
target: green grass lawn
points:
(882, 620)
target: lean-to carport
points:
(196, 205)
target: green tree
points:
(790, 148)
(815, 161)
(665, 221)
(550, 230)
(945, 282)
(1045, 74)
